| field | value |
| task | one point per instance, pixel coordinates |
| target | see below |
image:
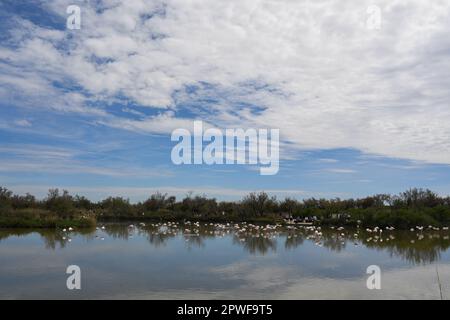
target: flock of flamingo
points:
(243, 231)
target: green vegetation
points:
(56, 211)
(415, 207)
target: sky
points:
(361, 110)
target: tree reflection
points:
(293, 241)
(256, 244)
(52, 238)
(417, 248)
(413, 246)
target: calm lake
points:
(199, 261)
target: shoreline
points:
(410, 209)
(93, 222)
(52, 223)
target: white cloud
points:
(40, 158)
(328, 160)
(340, 170)
(23, 123)
(313, 68)
(163, 123)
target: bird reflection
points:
(419, 245)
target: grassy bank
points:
(401, 219)
(13, 222)
(36, 218)
(180, 217)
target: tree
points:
(156, 202)
(118, 206)
(81, 202)
(199, 205)
(5, 199)
(61, 204)
(419, 198)
(258, 204)
(289, 205)
(22, 202)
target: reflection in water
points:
(293, 241)
(422, 247)
(256, 244)
(52, 238)
(228, 261)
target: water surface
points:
(198, 261)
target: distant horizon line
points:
(244, 193)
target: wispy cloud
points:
(340, 170)
(327, 160)
(23, 123)
(45, 159)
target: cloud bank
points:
(311, 68)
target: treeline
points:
(409, 208)
(56, 210)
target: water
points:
(220, 262)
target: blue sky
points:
(91, 110)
